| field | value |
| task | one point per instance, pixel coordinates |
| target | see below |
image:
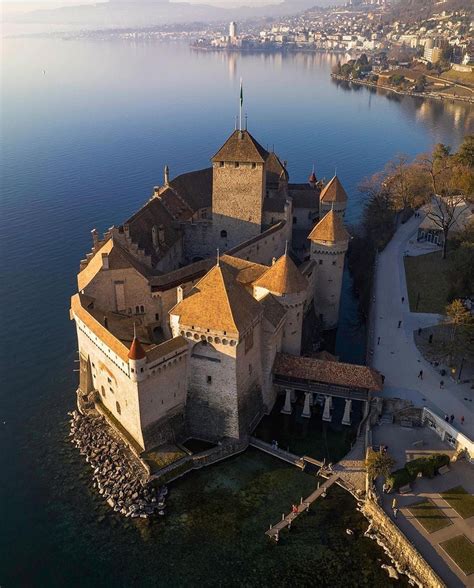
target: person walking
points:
(394, 508)
(420, 375)
(403, 299)
(378, 340)
(399, 324)
(462, 420)
(441, 384)
(451, 419)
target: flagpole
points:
(240, 106)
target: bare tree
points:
(446, 203)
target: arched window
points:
(117, 406)
(224, 234)
(137, 309)
(142, 309)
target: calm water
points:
(82, 147)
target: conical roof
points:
(333, 191)
(283, 277)
(136, 350)
(330, 228)
(241, 147)
(218, 302)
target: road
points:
(397, 356)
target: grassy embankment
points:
(427, 282)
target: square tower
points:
(238, 189)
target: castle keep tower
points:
(238, 189)
(284, 280)
(333, 197)
(222, 324)
(329, 242)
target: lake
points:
(83, 144)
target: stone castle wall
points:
(328, 281)
(237, 199)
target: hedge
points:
(428, 466)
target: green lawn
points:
(460, 500)
(429, 516)
(427, 277)
(461, 550)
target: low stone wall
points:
(403, 554)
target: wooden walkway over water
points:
(286, 521)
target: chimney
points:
(154, 236)
(156, 191)
(95, 239)
(161, 235)
(274, 260)
(105, 261)
(167, 175)
(179, 294)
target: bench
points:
(444, 470)
(405, 489)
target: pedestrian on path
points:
(403, 299)
(399, 324)
(378, 340)
(462, 420)
(420, 375)
(446, 418)
(395, 507)
(441, 384)
(451, 419)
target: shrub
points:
(428, 466)
(399, 478)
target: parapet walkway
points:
(274, 531)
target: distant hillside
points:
(414, 10)
(140, 13)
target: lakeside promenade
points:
(434, 95)
(397, 356)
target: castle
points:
(182, 311)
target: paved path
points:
(397, 356)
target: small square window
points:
(334, 262)
(209, 379)
(320, 262)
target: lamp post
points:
(460, 368)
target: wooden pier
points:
(286, 521)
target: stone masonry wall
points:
(407, 559)
(237, 200)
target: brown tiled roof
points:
(218, 302)
(333, 191)
(118, 258)
(273, 311)
(195, 188)
(242, 147)
(166, 348)
(283, 277)
(141, 224)
(328, 372)
(274, 169)
(325, 355)
(78, 309)
(330, 229)
(136, 350)
(244, 271)
(306, 197)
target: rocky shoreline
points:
(115, 476)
